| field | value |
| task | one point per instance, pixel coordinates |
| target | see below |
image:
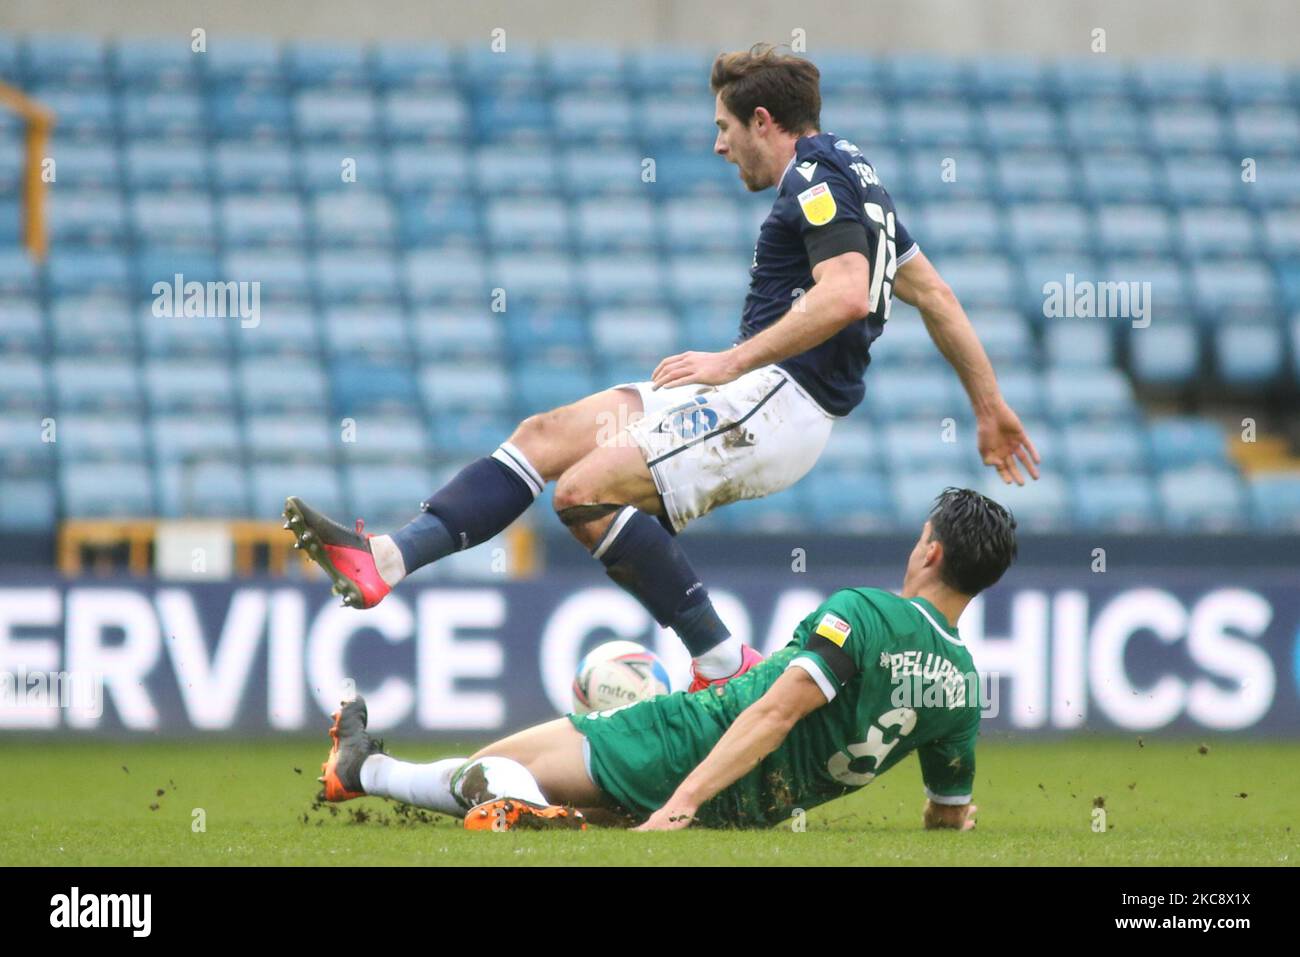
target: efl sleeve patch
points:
(833, 628)
(818, 204)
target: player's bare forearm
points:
(955, 817)
(919, 284)
(756, 733)
(1003, 442)
(838, 297)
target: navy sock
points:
(645, 561)
(479, 501)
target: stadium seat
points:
(386, 495)
(1166, 353)
(1275, 501)
(1121, 503)
(1202, 498)
(1095, 449)
(1039, 506)
(318, 484)
(1103, 395)
(1250, 355)
(107, 489)
(1181, 442)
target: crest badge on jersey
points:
(834, 629)
(818, 204)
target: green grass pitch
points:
(1166, 803)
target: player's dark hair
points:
(785, 85)
(978, 537)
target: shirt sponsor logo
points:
(834, 629)
(818, 204)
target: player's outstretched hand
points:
(703, 368)
(1002, 440)
(670, 817)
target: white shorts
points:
(710, 445)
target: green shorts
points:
(639, 753)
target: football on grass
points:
(617, 673)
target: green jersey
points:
(897, 679)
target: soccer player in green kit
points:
(868, 678)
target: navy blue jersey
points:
(827, 195)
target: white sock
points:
(388, 559)
(490, 778)
(722, 660)
(513, 458)
(423, 785)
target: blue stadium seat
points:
(102, 438)
(1185, 128)
(544, 276)
(1082, 344)
(267, 167)
(1018, 78)
(1035, 175)
(1163, 83)
(1016, 125)
(1081, 77)
(618, 280)
(96, 384)
(962, 226)
(84, 114)
(318, 484)
(501, 172)
(1166, 353)
(1266, 129)
(360, 387)
(148, 64)
(441, 117)
(1039, 506)
(856, 502)
(586, 174)
(1180, 442)
(1005, 335)
(365, 332)
(533, 330)
(1041, 227)
(1103, 395)
(855, 447)
(175, 385)
(669, 69)
(279, 384)
(914, 492)
(1120, 177)
(690, 226)
(715, 278)
(353, 218)
(936, 123)
(1094, 449)
(1189, 179)
(18, 272)
(338, 65)
(153, 164)
(1121, 503)
(922, 445)
(286, 437)
(437, 275)
(1275, 501)
(346, 275)
(22, 329)
(591, 118)
(612, 224)
(86, 165)
(27, 505)
(1250, 354)
(209, 337)
(434, 220)
(244, 115)
(285, 272)
(1282, 233)
(1099, 123)
(1255, 82)
(514, 224)
(387, 437)
(469, 332)
(92, 270)
(246, 63)
(1216, 231)
(980, 280)
(1202, 498)
(413, 66)
(1222, 284)
(76, 61)
(206, 488)
(930, 394)
(423, 169)
(100, 324)
(191, 437)
(341, 167)
(587, 67)
(457, 386)
(173, 218)
(1139, 229)
(335, 115)
(709, 327)
(105, 489)
(471, 434)
(540, 386)
(89, 217)
(672, 123)
(268, 219)
(387, 494)
(177, 113)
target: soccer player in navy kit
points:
(710, 428)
